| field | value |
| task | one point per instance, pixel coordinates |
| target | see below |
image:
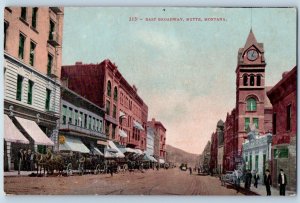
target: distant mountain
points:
(179, 156)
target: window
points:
(288, 117)
(114, 111)
(34, 17)
(256, 162)
(90, 122)
(251, 104)
(107, 129)
(85, 121)
(94, 124)
(76, 117)
(100, 126)
(108, 88)
(264, 162)
(115, 94)
(49, 64)
(32, 52)
(80, 119)
(97, 125)
(70, 115)
(19, 88)
(251, 80)
(113, 132)
(255, 121)
(23, 13)
(247, 122)
(64, 114)
(107, 107)
(21, 46)
(29, 95)
(51, 30)
(250, 166)
(258, 80)
(245, 80)
(246, 161)
(48, 96)
(274, 123)
(5, 33)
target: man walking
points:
(268, 182)
(20, 159)
(282, 182)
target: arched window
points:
(115, 94)
(108, 88)
(245, 80)
(251, 80)
(258, 80)
(251, 104)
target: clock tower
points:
(250, 89)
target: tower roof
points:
(251, 40)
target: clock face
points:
(252, 55)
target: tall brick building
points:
(103, 84)
(283, 96)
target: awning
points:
(108, 154)
(161, 161)
(112, 145)
(127, 150)
(35, 132)
(138, 125)
(96, 151)
(122, 114)
(138, 151)
(11, 132)
(148, 157)
(73, 144)
(122, 133)
(100, 142)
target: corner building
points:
(125, 112)
(32, 61)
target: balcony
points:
(75, 128)
(54, 39)
(56, 10)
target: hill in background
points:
(179, 156)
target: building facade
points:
(213, 165)
(32, 61)
(205, 158)
(159, 140)
(283, 96)
(103, 84)
(81, 122)
(220, 134)
(150, 140)
(257, 152)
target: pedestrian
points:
(111, 169)
(20, 159)
(282, 181)
(28, 162)
(32, 161)
(190, 168)
(256, 178)
(268, 182)
(248, 179)
(24, 161)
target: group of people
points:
(26, 160)
(282, 181)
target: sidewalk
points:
(15, 173)
(261, 190)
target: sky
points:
(184, 71)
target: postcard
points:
(150, 101)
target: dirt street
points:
(152, 182)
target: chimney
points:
(78, 63)
(285, 73)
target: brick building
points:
(252, 104)
(32, 61)
(159, 140)
(283, 96)
(103, 84)
(213, 164)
